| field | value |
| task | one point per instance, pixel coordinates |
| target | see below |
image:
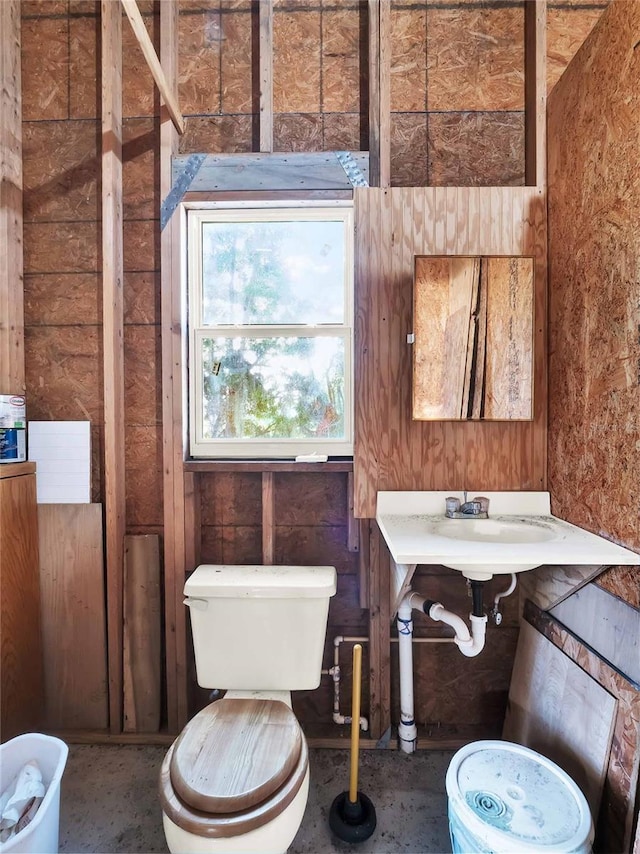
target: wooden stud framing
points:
(192, 520)
(113, 346)
(268, 519)
(353, 528)
(379, 93)
(266, 74)
(535, 84)
(379, 634)
(11, 259)
(173, 435)
(146, 45)
(363, 564)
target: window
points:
(270, 292)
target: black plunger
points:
(352, 817)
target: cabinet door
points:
(20, 644)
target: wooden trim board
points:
(73, 616)
(142, 633)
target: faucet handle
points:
(452, 505)
(483, 501)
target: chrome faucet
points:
(477, 508)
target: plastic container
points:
(41, 835)
(504, 797)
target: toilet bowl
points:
(237, 778)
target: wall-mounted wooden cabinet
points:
(20, 641)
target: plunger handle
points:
(355, 722)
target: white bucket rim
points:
(584, 834)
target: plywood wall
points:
(392, 451)
(594, 230)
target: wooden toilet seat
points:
(236, 766)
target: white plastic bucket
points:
(504, 797)
(40, 836)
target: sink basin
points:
(494, 539)
(520, 534)
(494, 530)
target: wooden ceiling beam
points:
(149, 52)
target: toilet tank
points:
(259, 627)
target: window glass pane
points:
(273, 272)
(273, 388)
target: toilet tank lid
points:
(266, 582)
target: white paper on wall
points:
(62, 453)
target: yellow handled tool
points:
(352, 816)
(355, 722)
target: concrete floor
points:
(110, 803)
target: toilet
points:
(237, 777)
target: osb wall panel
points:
(476, 149)
(475, 56)
(231, 518)
(457, 94)
(297, 50)
(61, 177)
(594, 223)
(568, 25)
(84, 65)
(342, 25)
(457, 87)
(229, 134)
(199, 40)
(45, 67)
(624, 582)
(62, 240)
(391, 450)
(408, 70)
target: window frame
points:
(267, 211)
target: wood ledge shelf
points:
(282, 466)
